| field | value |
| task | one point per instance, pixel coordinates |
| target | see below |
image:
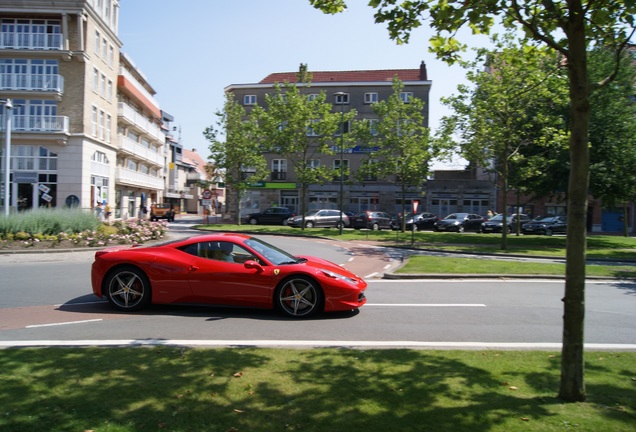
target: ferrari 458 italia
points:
(224, 269)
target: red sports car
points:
(224, 269)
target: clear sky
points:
(191, 50)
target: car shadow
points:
(89, 304)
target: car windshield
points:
(311, 212)
(272, 253)
(498, 217)
(548, 219)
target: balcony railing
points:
(129, 114)
(135, 178)
(15, 40)
(30, 82)
(279, 175)
(28, 123)
(132, 147)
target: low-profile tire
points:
(127, 289)
(309, 224)
(253, 221)
(299, 297)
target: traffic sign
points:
(207, 194)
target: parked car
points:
(162, 211)
(421, 221)
(373, 220)
(319, 218)
(547, 226)
(495, 223)
(271, 216)
(459, 222)
(197, 270)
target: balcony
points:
(28, 82)
(195, 176)
(43, 123)
(33, 41)
(130, 116)
(134, 178)
(129, 146)
(279, 175)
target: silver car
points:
(320, 218)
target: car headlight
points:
(334, 275)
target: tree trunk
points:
(572, 388)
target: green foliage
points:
(48, 221)
(302, 130)
(399, 146)
(73, 227)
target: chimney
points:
(423, 74)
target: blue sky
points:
(191, 50)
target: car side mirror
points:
(251, 264)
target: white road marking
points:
(427, 304)
(63, 323)
(314, 344)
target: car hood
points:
(323, 264)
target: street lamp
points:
(8, 112)
(341, 198)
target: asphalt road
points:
(46, 299)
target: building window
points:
(373, 126)
(343, 126)
(312, 97)
(279, 169)
(249, 100)
(94, 122)
(342, 99)
(102, 86)
(111, 56)
(100, 157)
(370, 97)
(108, 126)
(104, 48)
(131, 165)
(101, 124)
(95, 79)
(109, 90)
(97, 42)
(310, 130)
(406, 97)
(313, 163)
(345, 166)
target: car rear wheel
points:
(309, 224)
(548, 232)
(299, 297)
(460, 229)
(127, 289)
(253, 221)
(375, 227)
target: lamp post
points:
(8, 112)
(341, 197)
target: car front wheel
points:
(460, 229)
(309, 224)
(548, 232)
(253, 221)
(128, 289)
(299, 297)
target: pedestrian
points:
(99, 211)
(142, 211)
(107, 212)
(490, 214)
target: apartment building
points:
(85, 127)
(346, 90)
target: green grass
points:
(251, 389)
(446, 265)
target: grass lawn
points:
(252, 389)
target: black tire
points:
(414, 228)
(309, 224)
(127, 289)
(548, 232)
(375, 227)
(253, 221)
(284, 222)
(299, 297)
(460, 229)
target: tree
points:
(300, 128)
(398, 143)
(238, 156)
(570, 28)
(508, 109)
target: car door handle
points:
(193, 268)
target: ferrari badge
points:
(276, 271)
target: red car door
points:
(231, 283)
